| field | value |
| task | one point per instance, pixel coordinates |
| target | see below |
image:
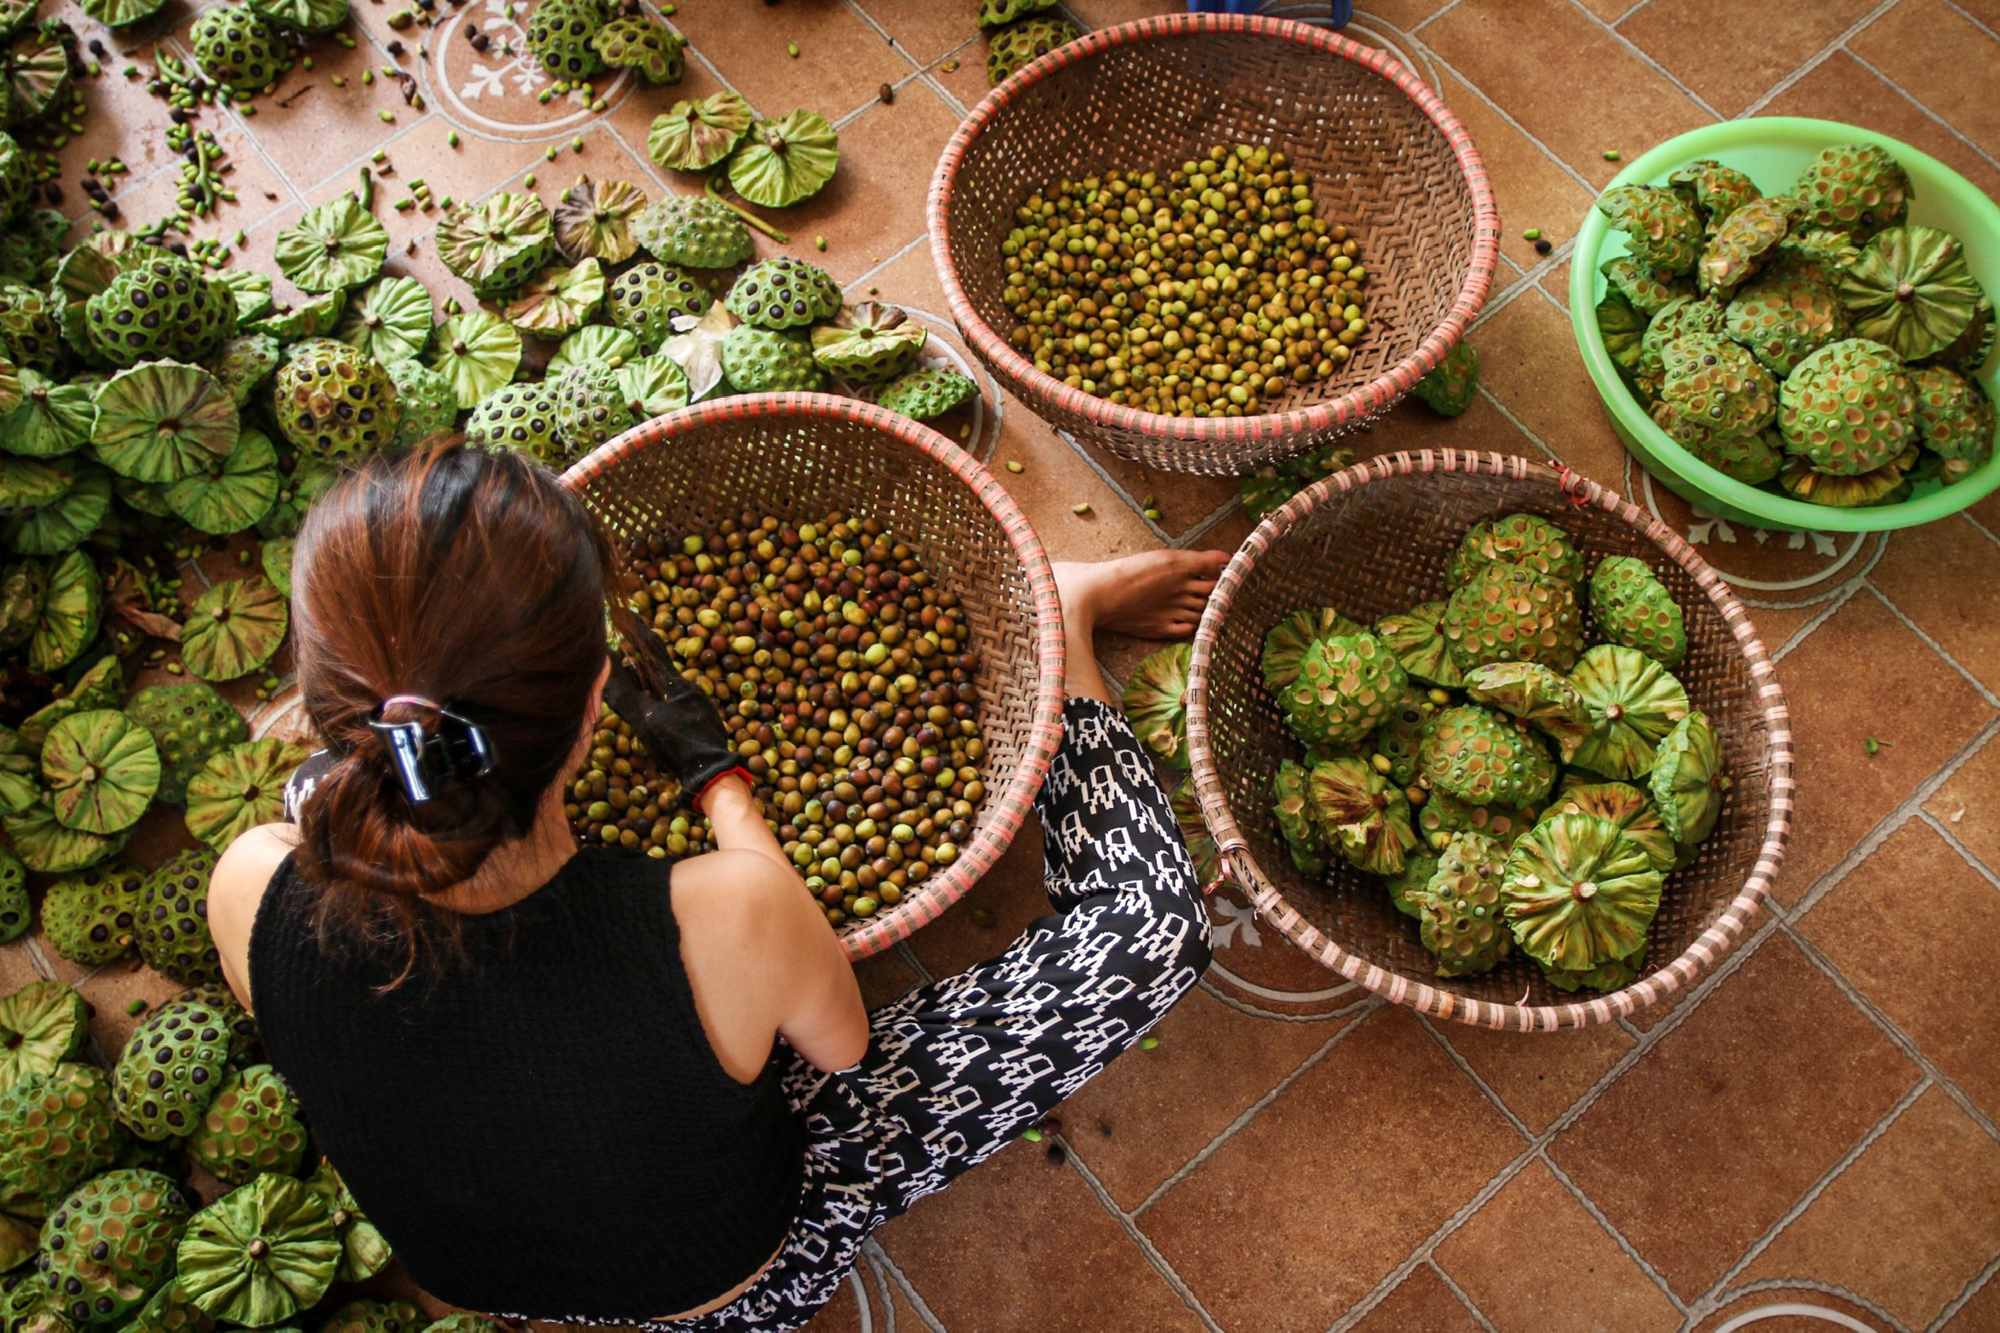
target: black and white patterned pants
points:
(955, 1070)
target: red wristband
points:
(739, 771)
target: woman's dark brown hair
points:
(471, 579)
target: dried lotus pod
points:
(870, 343)
(102, 769)
(1633, 704)
(240, 788)
(1155, 704)
(334, 245)
(1459, 908)
(1298, 823)
(1911, 290)
(594, 221)
(1661, 229)
(1688, 779)
(785, 161)
(260, 1254)
(1362, 814)
(695, 135)
(42, 1025)
(1630, 810)
(1578, 893)
(234, 628)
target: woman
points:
(594, 1087)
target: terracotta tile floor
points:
(1809, 1140)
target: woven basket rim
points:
(1011, 804)
(1240, 867)
(1353, 405)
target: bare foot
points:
(1152, 595)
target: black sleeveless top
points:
(544, 1131)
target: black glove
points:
(680, 725)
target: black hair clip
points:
(459, 750)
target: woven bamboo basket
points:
(1388, 160)
(800, 456)
(1373, 540)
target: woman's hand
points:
(679, 726)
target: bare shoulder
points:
(726, 894)
(236, 890)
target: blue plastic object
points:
(1338, 11)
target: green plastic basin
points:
(1772, 150)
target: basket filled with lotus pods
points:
(1481, 736)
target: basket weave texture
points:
(1387, 158)
(801, 456)
(1373, 540)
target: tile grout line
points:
(1907, 96)
(1117, 487)
(1438, 15)
(1252, 1111)
(872, 1250)
(1977, 684)
(1515, 421)
(1464, 1298)
(1980, 528)
(1972, 18)
(1646, 58)
(1897, 816)
(1465, 1066)
(1641, 5)
(1618, 1238)
(1818, 58)
(1841, 597)
(1128, 1221)
(1965, 853)
(1971, 1289)
(1911, 1049)
(1853, 1154)
(1494, 106)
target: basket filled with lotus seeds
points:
(1484, 737)
(877, 624)
(1211, 242)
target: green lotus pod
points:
(1855, 188)
(1626, 808)
(243, 365)
(122, 13)
(1633, 608)
(161, 421)
(52, 419)
(234, 492)
(1579, 894)
(1614, 975)
(363, 1252)
(641, 44)
(56, 1131)
(238, 48)
(1688, 781)
(769, 361)
(1531, 693)
(234, 628)
(1298, 819)
(1715, 191)
(1509, 613)
(1848, 408)
(389, 320)
(1416, 637)
(558, 300)
(477, 352)
(1751, 459)
(1955, 418)
(926, 392)
(20, 774)
(1400, 738)
(1713, 381)
(783, 293)
(1418, 867)
(653, 386)
(47, 845)
(1661, 230)
(999, 13)
(1450, 388)
(595, 221)
(251, 1128)
(66, 524)
(1911, 290)
(333, 401)
(497, 244)
(593, 342)
(28, 484)
(519, 416)
(1286, 644)
(1459, 909)
(170, 1311)
(1364, 816)
(172, 1066)
(871, 344)
(102, 769)
(252, 292)
(1186, 805)
(1156, 706)
(590, 407)
(1271, 486)
(650, 298)
(1783, 320)
(1644, 289)
(110, 1244)
(42, 1024)
(188, 723)
(1622, 326)
(464, 1323)
(785, 161)
(1745, 242)
(1883, 485)
(303, 485)
(693, 231)
(365, 1316)
(1345, 689)
(1018, 44)
(173, 921)
(305, 16)
(92, 918)
(71, 613)
(1479, 756)
(240, 788)
(430, 407)
(316, 317)
(1633, 704)
(1528, 540)
(334, 245)
(102, 685)
(17, 913)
